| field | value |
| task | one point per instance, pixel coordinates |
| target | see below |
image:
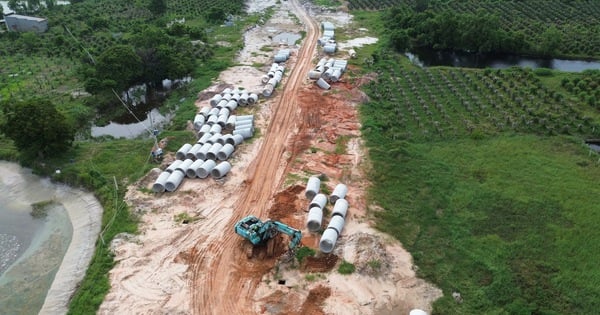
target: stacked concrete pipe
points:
(220, 170)
(181, 153)
(312, 187)
(174, 180)
(339, 192)
(331, 234)
(161, 181)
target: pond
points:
(127, 129)
(429, 57)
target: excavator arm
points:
(294, 234)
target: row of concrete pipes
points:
(272, 79)
(327, 41)
(315, 213)
(328, 69)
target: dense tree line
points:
(447, 30)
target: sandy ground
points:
(201, 268)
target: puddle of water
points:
(154, 120)
(286, 38)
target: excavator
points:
(260, 233)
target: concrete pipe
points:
(191, 154)
(352, 53)
(272, 81)
(322, 84)
(198, 121)
(212, 153)
(205, 110)
(173, 166)
(224, 138)
(180, 154)
(225, 152)
(314, 75)
(227, 97)
(243, 124)
(322, 62)
(253, 98)
(331, 60)
(213, 112)
(339, 192)
(315, 217)
(214, 138)
(268, 90)
(161, 181)
(205, 168)
(320, 200)
(336, 223)
(230, 122)
(220, 170)
(417, 311)
(244, 117)
(328, 240)
(279, 58)
(204, 138)
(201, 154)
(174, 180)
(185, 165)
(327, 74)
(312, 187)
(235, 140)
(270, 74)
(227, 91)
(231, 105)
(335, 76)
(212, 119)
(235, 97)
(193, 169)
(280, 68)
(285, 52)
(222, 120)
(244, 98)
(224, 111)
(274, 67)
(215, 100)
(246, 133)
(328, 65)
(216, 128)
(203, 130)
(321, 69)
(265, 78)
(340, 208)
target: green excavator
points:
(260, 233)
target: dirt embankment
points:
(201, 268)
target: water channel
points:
(429, 57)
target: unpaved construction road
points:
(229, 287)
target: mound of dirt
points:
(285, 204)
(367, 252)
(315, 299)
(319, 263)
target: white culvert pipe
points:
(191, 154)
(314, 74)
(223, 139)
(230, 122)
(214, 138)
(244, 124)
(227, 91)
(335, 76)
(204, 138)
(315, 217)
(203, 130)
(279, 58)
(205, 168)
(339, 192)
(214, 112)
(278, 76)
(174, 180)
(340, 208)
(222, 120)
(312, 187)
(204, 110)
(244, 98)
(264, 79)
(212, 119)
(201, 154)
(320, 69)
(327, 74)
(173, 166)
(193, 169)
(352, 53)
(246, 133)
(220, 170)
(227, 97)
(161, 181)
(231, 105)
(320, 200)
(274, 67)
(224, 111)
(198, 121)
(180, 154)
(212, 153)
(253, 98)
(328, 240)
(235, 97)
(215, 129)
(215, 100)
(185, 165)
(273, 82)
(268, 90)
(235, 140)
(322, 62)
(322, 84)
(336, 223)
(222, 104)
(244, 117)
(225, 152)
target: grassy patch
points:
(341, 144)
(346, 268)
(304, 252)
(40, 209)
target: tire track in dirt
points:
(223, 280)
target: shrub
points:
(303, 252)
(346, 268)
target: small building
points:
(23, 23)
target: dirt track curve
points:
(223, 281)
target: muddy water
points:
(31, 249)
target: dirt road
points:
(229, 286)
